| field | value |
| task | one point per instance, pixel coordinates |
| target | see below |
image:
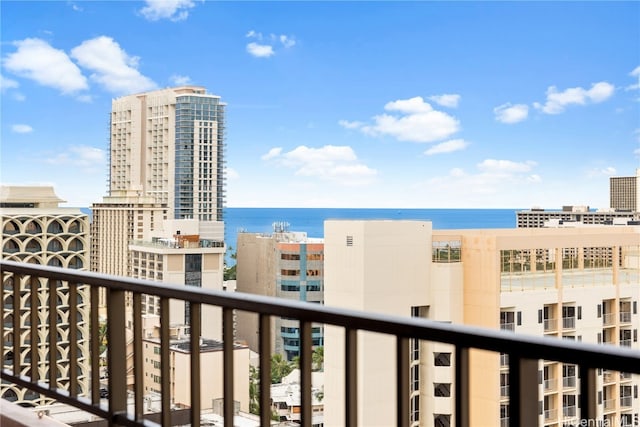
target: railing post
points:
(138, 357)
(195, 332)
(265, 370)
(402, 381)
(73, 339)
(523, 391)
(227, 349)
(94, 328)
(35, 337)
(165, 362)
(53, 333)
(351, 377)
(305, 373)
(588, 401)
(117, 354)
(462, 386)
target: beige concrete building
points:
(286, 265)
(572, 283)
(624, 192)
(36, 230)
(179, 255)
(574, 215)
(169, 145)
(120, 219)
(211, 360)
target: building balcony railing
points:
(569, 411)
(568, 323)
(609, 404)
(608, 319)
(550, 384)
(608, 376)
(569, 382)
(508, 326)
(550, 325)
(550, 414)
(626, 401)
(524, 352)
(625, 317)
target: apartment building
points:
(624, 192)
(578, 283)
(574, 215)
(36, 230)
(177, 253)
(286, 265)
(211, 360)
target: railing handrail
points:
(526, 346)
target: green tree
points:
(230, 272)
(280, 367)
(254, 390)
(317, 359)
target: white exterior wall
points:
(385, 270)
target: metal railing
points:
(524, 351)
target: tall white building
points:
(580, 283)
(35, 230)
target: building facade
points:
(169, 145)
(579, 283)
(574, 215)
(35, 230)
(624, 192)
(286, 265)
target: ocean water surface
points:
(311, 220)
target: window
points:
(442, 359)
(442, 390)
(507, 320)
(290, 257)
(442, 420)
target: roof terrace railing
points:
(523, 351)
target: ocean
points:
(311, 220)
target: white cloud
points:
(179, 80)
(330, 163)
(174, 10)
(112, 67)
(231, 173)
(6, 83)
(350, 125)
(35, 59)
(507, 113)
(494, 166)
(635, 73)
(608, 171)
(267, 44)
(558, 101)
(88, 159)
(447, 147)
(20, 128)
(417, 122)
(287, 41)
(446, 100)
(274, 152)
(260, 50)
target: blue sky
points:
(339, 104)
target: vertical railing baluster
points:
(265, 370)
(402, 381)
(17, 342)
(227, 346)
(588, 401)
(73, 339)
(462, 386)
(305, 373)
(194, 342)
(117, 354)
(33, 333)
(94, 344)
(3, 344)
(53, 334)
(138, 357)
(165, 363)
(351, 377)
(523, 391)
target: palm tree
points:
(317, 358)
(254, 390)
(280, 367)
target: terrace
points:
(523, 352)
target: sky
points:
(338, 104)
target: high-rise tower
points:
(169, 144)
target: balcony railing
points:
(569, 411)
(524, 351)
(609, 318)
(550, 414)
(625, 317)
(569, 382)
(550, 384)
(550, 325)
(568, 323)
